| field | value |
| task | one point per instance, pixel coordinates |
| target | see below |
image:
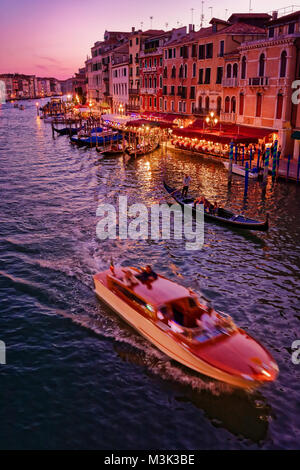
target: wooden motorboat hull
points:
(237, 223)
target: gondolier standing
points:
(186, 183)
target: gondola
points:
(224, 216)
(66, 131)
(139, 152)
(112, 152)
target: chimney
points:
(191, 28)
(274, 15)
(133, 29)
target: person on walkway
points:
(186, 183)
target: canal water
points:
(77, 377)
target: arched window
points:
(283, 64)
(279, 106)
(200, 102)
(261, 70)
(207, 103)
(233, 104)
(219, 104)
(227, 104)
(258, 104)
(173, 71)
(235, 70)
(150, 82)
(241, 109)
(185, 70)
(181, 72)
(194, 69)
(243, 72)
(228, 71)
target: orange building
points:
(194, 78)
(269, 68)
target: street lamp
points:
(211, 120)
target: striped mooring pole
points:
(266, 168)
(243, 155)
(258, 159)
(230, 163)
(274, 159)
(298, 169)
(246, 179)
(250, 160)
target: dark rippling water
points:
(76, 376)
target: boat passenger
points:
(129, 279)
(199, 200)
(209, 320)
(147, 274)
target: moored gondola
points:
(223, 216)
(66, 131)
(140, 152)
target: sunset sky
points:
(53, 37)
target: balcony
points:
(259, 81)
(149, 69)
(134, 91)
(227, 117)
(230, 82)
(152, 50)
(148, 91)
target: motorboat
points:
(172, 318)
(241, 170)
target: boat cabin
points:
(159, 299)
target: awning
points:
(142, 122)
(296, 135)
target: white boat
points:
(171, 316)
(240, 170)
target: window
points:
(227, 104)
(283, 64)
(261, 69)
(228, 71)
(200, 81)
(160, 104)
(221, 50)
(181, 72)
(219, 75)
(201, 54)
(172, 90)
(192, 93)
(207, 103)
(243, 72)
(194, 70)
(130, 42)
(291, 28)
(160, 81)
(150, 102)
(160, 61)
(170, 53)
(271, 32)
(233, 104)
(279, 106)
(235, 70)
(172, 106)
(136, 41)
(209, 50)
(128, 294)
(184, 107)
(194, 50)
(241, 108)
(193, 107)
(258, 104)
(165, 72)
(180, 106)
(185, 70)
(207, 76)
(165, 90)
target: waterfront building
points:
(269, 68)
(43, 87)
(195, 80)
(99, 68)
(152, 68)
(19, 86)
(120, 80)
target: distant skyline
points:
(53, 37)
